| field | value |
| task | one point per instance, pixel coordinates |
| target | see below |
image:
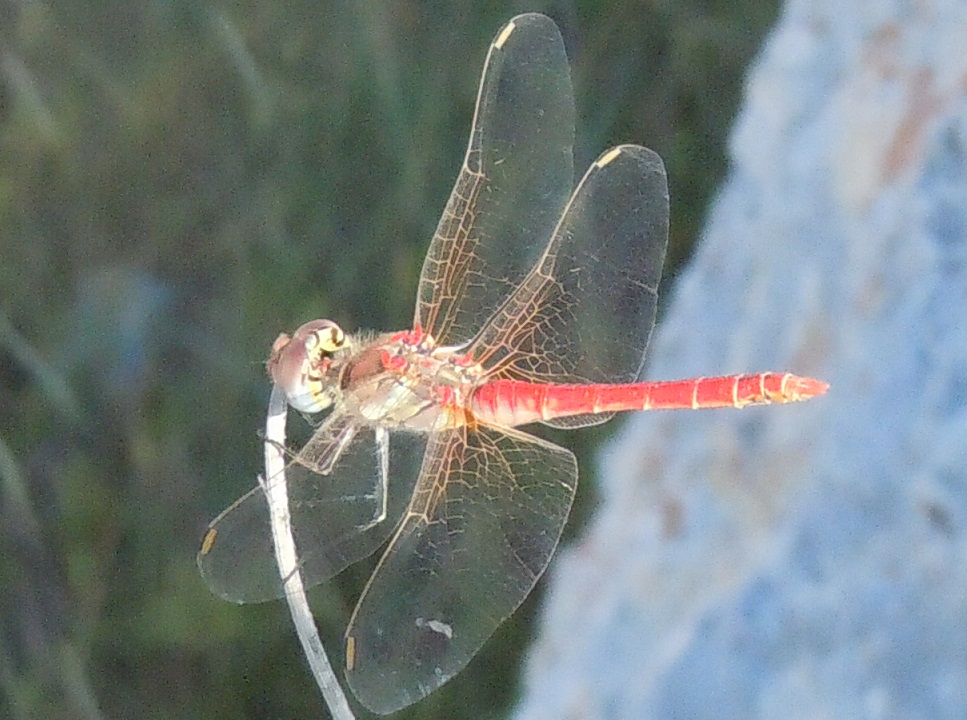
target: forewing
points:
(585, 312)
(331, 514)
(516, 177)
(486, 516)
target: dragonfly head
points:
(302, 365)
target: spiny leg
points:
(381, 489)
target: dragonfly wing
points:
(585, 312)
(516, 177)
(332, 516)
(485, 518)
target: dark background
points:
(179, 182)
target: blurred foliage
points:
(179, 181)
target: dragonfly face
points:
(305, 365)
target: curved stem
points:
(276, 494)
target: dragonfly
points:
(535, 305)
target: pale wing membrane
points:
(332, 517)
(486, 516)
(515, 179)
(585, 312)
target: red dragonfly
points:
(535, 305)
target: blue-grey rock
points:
(805, 561)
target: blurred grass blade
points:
(15, 495)
(52, 382)
(77, 684)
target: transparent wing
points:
(584, 314)
(332, 514)
(516, 177)
(486, 516)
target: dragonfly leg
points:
(320, 455)
(382, 444)
(382, 482)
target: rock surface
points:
(803, 561)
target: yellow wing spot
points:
(608, 157)
(504, 34)
(208, 541)
(350, 653)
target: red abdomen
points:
(512, 403)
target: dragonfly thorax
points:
(305, 365)
(404, 380)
